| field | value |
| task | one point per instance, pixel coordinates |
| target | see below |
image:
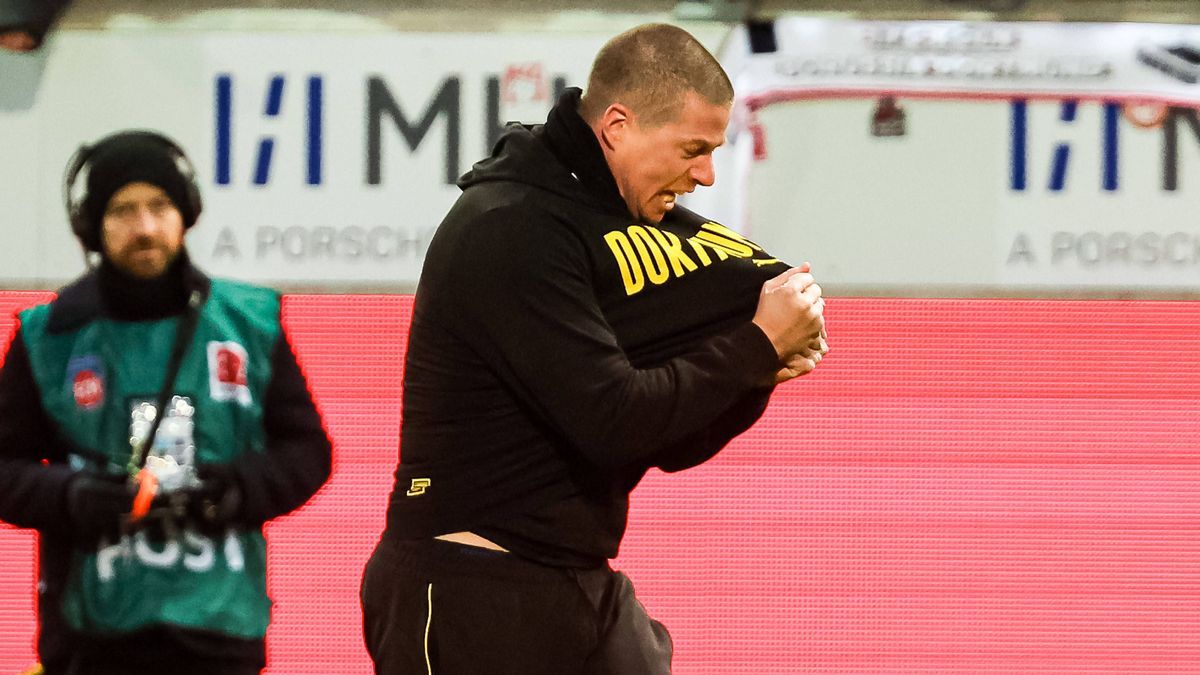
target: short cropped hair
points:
(650, 69)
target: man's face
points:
(654, 164)
(142, 231)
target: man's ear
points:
(614, 124)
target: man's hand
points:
(791, 312)
(209, 507)
(804, 361)
(96, 504)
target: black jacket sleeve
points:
(705, 444)
(33, 470)
(525, 299)
(298, 455)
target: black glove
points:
(209, 507)
(96, 503)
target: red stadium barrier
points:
(964, 486)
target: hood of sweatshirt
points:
(561, 156)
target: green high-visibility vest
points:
(90, 378)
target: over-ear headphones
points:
(77, 178)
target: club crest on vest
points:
(85, 378)
(227, 366)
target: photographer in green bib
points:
(152, 419)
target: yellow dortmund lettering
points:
(680, 263)
(723, 231)
(651, 256)
(631, 271)
(729, 246)
(700, 252)
(699, 243)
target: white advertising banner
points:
(957, 158)
(902, 158)
(326, 160)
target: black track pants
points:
(439, 608)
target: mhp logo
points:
(1109, 135)
(266, 144)
(383, 112)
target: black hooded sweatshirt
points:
(559, 348)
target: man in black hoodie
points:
(145, 377)
(573, 327)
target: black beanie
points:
(132, 157)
